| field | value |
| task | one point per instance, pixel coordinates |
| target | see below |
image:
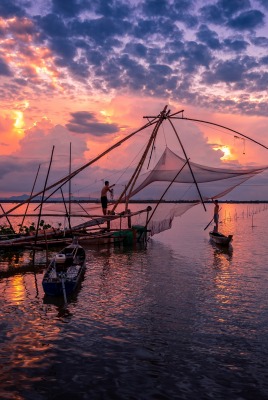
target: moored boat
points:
(65, 271)
(220, 238)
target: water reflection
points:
(17, 288)
(222, 255)
(223, 286)
(16, 262)
(56, 307)
(112, 284)
(183, 320)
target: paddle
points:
(208, 224)
(63, 287)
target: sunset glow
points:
(95, 74)
(19, 121)
(227, 152)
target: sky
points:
(79, 75)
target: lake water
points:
(181, 319)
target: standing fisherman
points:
(104, 201)
(216, 215)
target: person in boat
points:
(104, 201)
(216, 215)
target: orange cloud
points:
(24, 58)
(11, 132)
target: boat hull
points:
(56, 288)
(221, 239)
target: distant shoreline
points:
(138, 201)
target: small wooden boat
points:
(65, 271)
(220, 238)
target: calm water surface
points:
(182, 319)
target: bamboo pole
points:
(67, 214)
(153, 144)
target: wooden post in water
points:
(129, 219)
(46, 247)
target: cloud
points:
(183, 12)
(14, 165)
(127, 58)
(4, 68)
(208, 37)
(230, 71)
(260, 41)
(53, 26)
(158, 27)
(86, 122)
(114, 9)
(156, 7)
(196, 55)
(263, 3)
(18, 170)
(154, 48)
(10, 8)
(101, 29)
(212, 14)
(68, 9)
(235, 44)
(64, 49)
(247, 20)
(230, 8)
(136, 49)
(264, 60)
(223, 10)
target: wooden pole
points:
(67, 214)
(46, 247)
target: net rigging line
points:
(221, 126)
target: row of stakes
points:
(248, 213)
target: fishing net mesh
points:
(183, 181)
